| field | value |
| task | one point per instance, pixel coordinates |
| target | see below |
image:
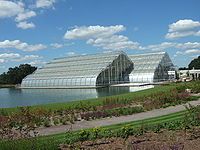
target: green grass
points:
(52, 141)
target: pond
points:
(12, 97)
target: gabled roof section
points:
(146, 63)
(77, 66)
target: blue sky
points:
(36, 31)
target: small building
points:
(187, 75)
(194, 74)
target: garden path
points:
(114, 120)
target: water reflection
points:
(11, 97)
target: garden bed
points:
(138, 133)
(175, 140)
(27, 119)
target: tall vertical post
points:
(111, 73)
(109, 76)
(117, 71)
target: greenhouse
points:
(83, 71)
(149, 68)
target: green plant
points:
(47, 123)
(84, 135)
(96, 132)
(64, 120)
(126, 131)
(56, 121)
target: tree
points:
(183, 68)
(16, 74)
(195, 63)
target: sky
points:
(37, 31)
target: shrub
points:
(47, 123)
(64, 120)
(96, 132)
(125, 132)
(56, 121)
(84, 135)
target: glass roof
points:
(147, 63)
(80, 66)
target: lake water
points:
(11, 97)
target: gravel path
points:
(114, 120)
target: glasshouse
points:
(151, 67)
(99, 70)
(82, 71)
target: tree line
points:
(16, 74)
(195, 63)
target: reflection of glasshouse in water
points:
(100, 70)
(152, 67)
(82, 71)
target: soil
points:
(166, 140)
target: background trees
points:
(16, 74)
(195, 63)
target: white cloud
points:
(71, 53)
(9, 56)
(176, 35)
(115, 42)
(24, 25)
(188, 45)
(2, 61)
(159, 47)
(22, 12)
(17, 44)
(44, 3)
(56, 45)
(188, 52)
(102, 36)
(10, 9)
(197, 33)
(165, 45)
(179, 53)
(192, 51)
(26, 58)
(93, 32)
(183, 25)
(4, 57)
(25, 15)
(37, 63)
(15, 57)
(183, 28)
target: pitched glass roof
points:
(82, 65)
(146, 62)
